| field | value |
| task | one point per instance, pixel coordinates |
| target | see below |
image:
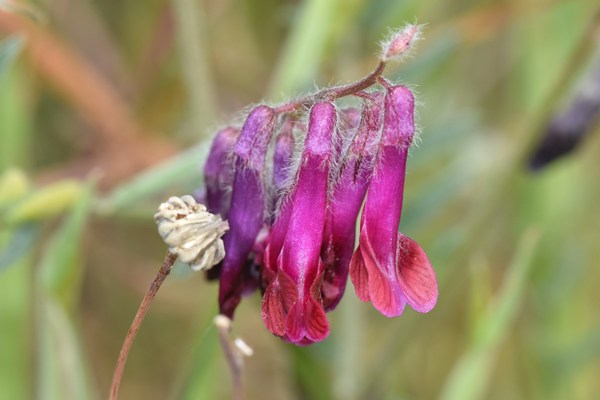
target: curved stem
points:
(162, 274)
(333, 93)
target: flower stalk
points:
(160, 277)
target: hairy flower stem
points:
(333, 93)
(162, 274)
(233, 355)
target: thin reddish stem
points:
(162, 274)
(333, 93)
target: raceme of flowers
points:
(291, 189)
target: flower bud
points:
(400, 43)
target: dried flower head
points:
(191, 232)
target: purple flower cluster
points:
(292, 192)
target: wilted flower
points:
(191, 232)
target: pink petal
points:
(380, 288)
(359, 276)
(416, 277)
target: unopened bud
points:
(400, 42)
(191, 232)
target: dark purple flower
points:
(284, 148)
(344, 204)
(292, 307)
(388, 268)
(246, 214)
(218, 171)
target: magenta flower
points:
(345, 201)
(246, 213)
(388, 268)
(284, 148)
(292, 307)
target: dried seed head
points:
(191, 232)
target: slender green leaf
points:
(471, 374)
(46, 202)
(18, 245)
(199, 375)
(14, 185)
(302, 54)
(310, 374)
(9, 50)
(16, 330)
(191, 32)
(60, 270)
(62, 370)
(183, 168)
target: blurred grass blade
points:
(183, 168)
(195, 64)
(63, 374)
(62, 371)
(15, 331)
(15, 270)
(46, 202)
(573, 360)
(310, 374)
(198, 378)
(19, 244)
(9, 50)
(16, 117)
(471, 374)
(301, 58)
(60, 271)
(14, 185)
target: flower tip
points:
(400, 43)
(253, 141)
(321, 125)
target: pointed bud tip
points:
(400, 42)
(320, 128)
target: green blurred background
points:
(106, 109)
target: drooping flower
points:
(219, 171)
(388, 268)
(345, 200)
(292, 306)
(246, 213)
